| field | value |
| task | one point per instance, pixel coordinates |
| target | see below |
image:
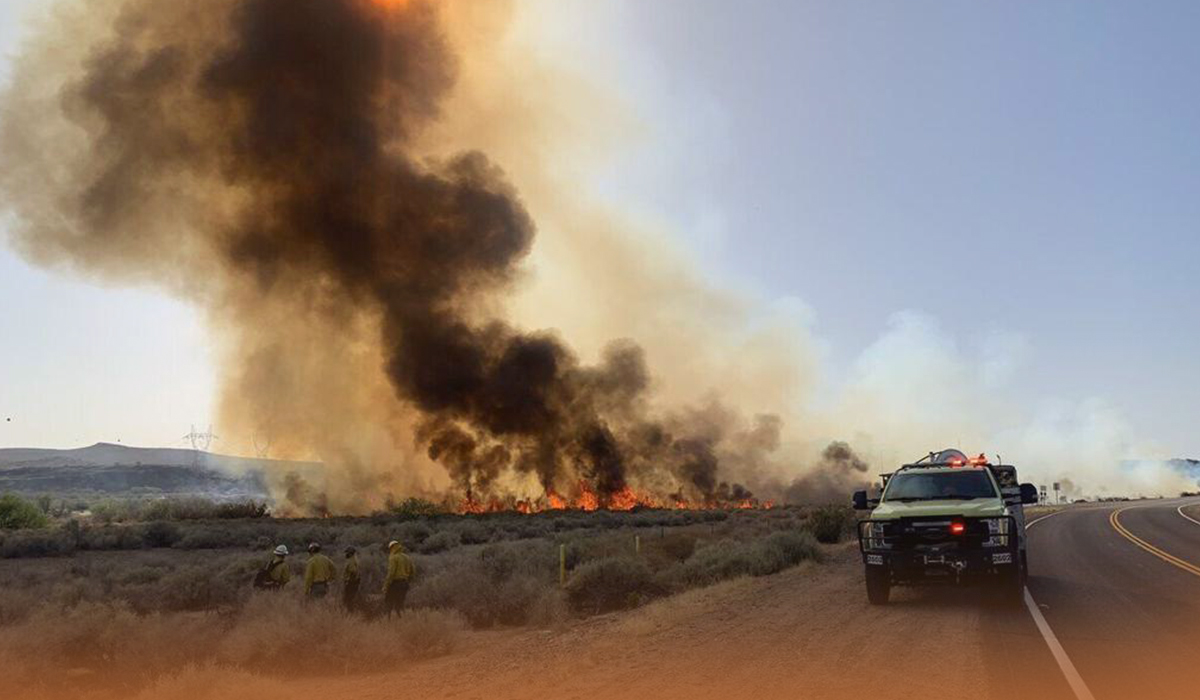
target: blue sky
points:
(1026, 168)
(1022, 166)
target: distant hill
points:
(119, 470)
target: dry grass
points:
(117, 623)
(109, 650)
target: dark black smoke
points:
(297, 119)
(839, 473)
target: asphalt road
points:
(1119, 586)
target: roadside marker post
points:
(562, 566)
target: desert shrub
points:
(268, 634)
(425, 634)
(730, 558)
(549, 609)
(17, 605)
(140, 576)
(110, 537)
(240, 510)
(207, 537)
(189, 589)
(517, 598)
(472, 532)
(672, 547)
(613, 583)
(440, 541)
(412, 534)
(830, 523)
(795, 545)
(503, 560)
(112, 511)
(113, 647)
(499, 584)
(465, 589)
(107, 640)
(35, 543)
(161, 534)
(717, 561)
(529, 528)
(413, 508)
(16, 513)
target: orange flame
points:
(587, 499)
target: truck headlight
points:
(873, 535)
(999, 529)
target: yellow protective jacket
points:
(320, 569)
(350, 572)
(282, 573)
(400, 567)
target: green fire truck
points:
(947, 518)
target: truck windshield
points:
(948, 485)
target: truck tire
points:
(1010, 587)
(879, 585)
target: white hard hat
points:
(281, 550)
(393, 543)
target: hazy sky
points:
(1024, 167)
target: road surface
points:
(1119, 584)
(1116, 595)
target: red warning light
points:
(958, 527)
(980, 461)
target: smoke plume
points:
(839, 471)
(259, 157)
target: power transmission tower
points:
(261, 447)
(200, 443)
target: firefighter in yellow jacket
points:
(276, 573)
(399, 573)
(318, 573)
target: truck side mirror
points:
(860, 501)
(1029, 494)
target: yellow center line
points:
(1115, 520)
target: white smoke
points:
(919, 388)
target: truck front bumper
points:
(913, 552)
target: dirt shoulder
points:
(807, 632)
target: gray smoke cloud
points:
(838, 473)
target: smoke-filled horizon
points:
(262, 164)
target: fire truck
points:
(946, 518)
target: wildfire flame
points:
(588, 500)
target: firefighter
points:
(350, 580)
(399, 573)
(319, 572)
(276, 573)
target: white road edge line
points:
(1060, 655)
(1185, 515)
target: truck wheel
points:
(1010, 587)
(879, 585)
